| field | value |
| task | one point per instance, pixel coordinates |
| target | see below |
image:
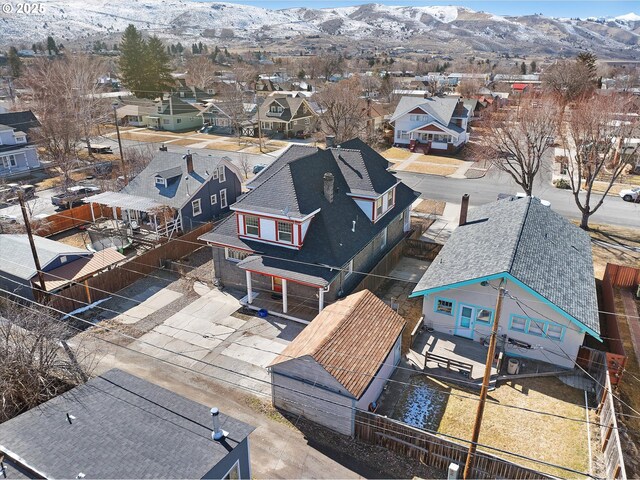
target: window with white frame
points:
(214, 199)
(390, 195)
(285, 232)
(63, 259)
(349, 270)
(196, 207)
(165, 121)
(537, 327)
(223, 198)
(444, 306)
(555, 331)
(379, 206)
(234, 255)
(221, 174)
(307, 121)
(252, 225)
(178, 120)
(160, 181)
(383, 238)
(234, 473)
(484, 315)
(214, 175)
(9, 161)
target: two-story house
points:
(229, 117)
(440, 123)
(312, 224)
(18, 156)
(286, 115)
(176, 192)
(175, 115)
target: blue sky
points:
(596, 8)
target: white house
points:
(544, 262)
(439, 122)
(340, 362)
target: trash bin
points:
(263, 313)
(513, 367)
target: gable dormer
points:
(164, 177)
(376, 206)
(275, 109)
(278, 230)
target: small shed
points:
(340, 362)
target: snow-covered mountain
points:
(446, 28)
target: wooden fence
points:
(421, 250)
(622, 276)
(609, 436)
(105, 284)
(375, 278)
(434, 451)
(66, 220)
(616, 355)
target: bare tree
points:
(344, 113)
(593, 137)
(34, 367)
(232, 102)
(201, 72)
(516, 141)
(568, 81)
(245, 165)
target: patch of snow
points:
(629, 17)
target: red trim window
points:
(379, 208)
(284, 232)
(252, 226)
(391, 198)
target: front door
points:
(464, 328)
(277, 284)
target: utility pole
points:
(485, 386)
(124, 168)
(34, 252)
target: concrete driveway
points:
(215, 342)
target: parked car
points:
(9, 193)
(207, 129)
(630, 195)
(73, 195)
(101, 149)
(258, 167)
(301, 134)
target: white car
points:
(546, 203)
(630, 195)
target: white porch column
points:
(320, 299)
(249, 291)
(93, 217)
(284, 295)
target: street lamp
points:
(115, 119)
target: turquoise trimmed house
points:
(544, 262)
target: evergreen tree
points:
(179, 48)
(199, 47)
(157, 68)
(15, 62)
(132, 59)
(533, 67)
(194, 48)
(51, 46)
(34, 47)
(523, 68)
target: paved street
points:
(614, 210)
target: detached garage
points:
(340, 362)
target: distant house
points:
(312, 222)
(286, 115)
(546, 265)
(120, 426)
(135, 111)
(520, 88)
(230, 117)
(22, 121)
(340, 362)
(63, 265)
(18, 157)
(191, 95)
(175, 115)
(440, 123)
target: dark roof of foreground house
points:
(23, 121)
(121, 427)
(173, 168)
(530, 242)
(296, 188)
(350, 339)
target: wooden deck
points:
(451, 358)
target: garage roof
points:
(350, 339)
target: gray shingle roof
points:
(23, 121)
(178, 190)
(124, 427)
(292, 153)
(16, 258)
(441, 108)
(529, 241)
(177, 105)
(330, 239)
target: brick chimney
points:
(328, 186)
(189, 158)
(330, 141)
(464, 208)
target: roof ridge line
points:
(524, 221)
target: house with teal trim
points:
(544, 262)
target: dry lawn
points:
(226, 146)
(432, 207)
(265, 149)
(430, 169)
(605, 254)
(148, 137)
(600, 187)
(185, 142)
(550, 439)
(439, 160)
(396, 154)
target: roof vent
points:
(328, 186)
(217, 434)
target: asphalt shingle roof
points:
(292, 153)
(441, 108)
(178, 190)
(330, 239)
(532, 243)
(350, 339)
(123, 427)
(16, 257)
(23, 121)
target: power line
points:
(307, 395)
